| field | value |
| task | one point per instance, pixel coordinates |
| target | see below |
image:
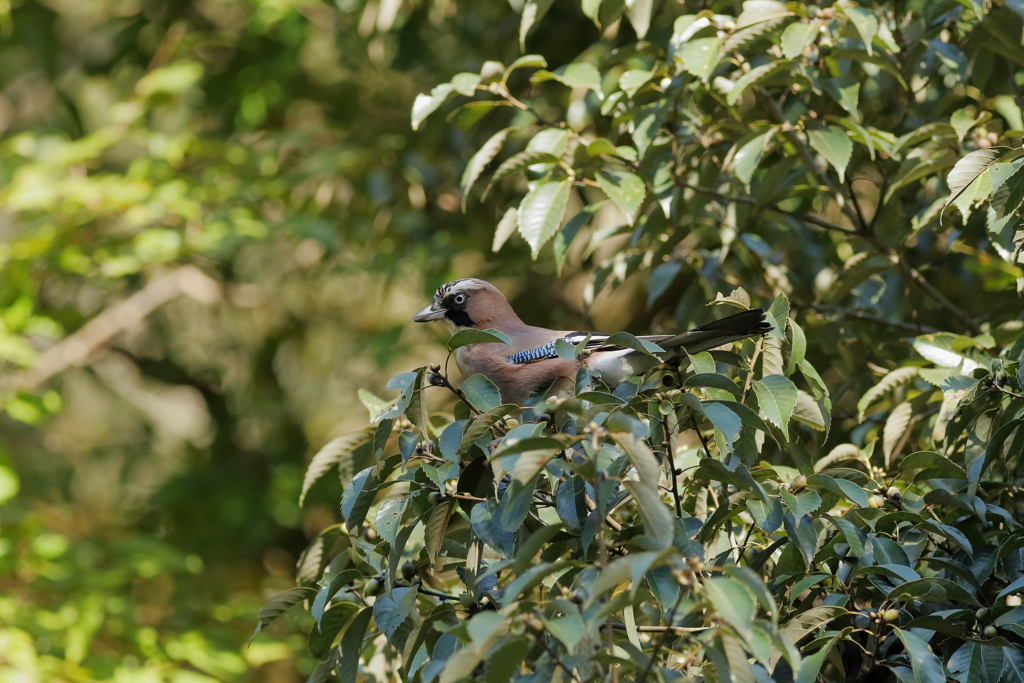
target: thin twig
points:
(664, 639)
(672, 466)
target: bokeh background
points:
(215, 223)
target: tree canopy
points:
(219, 217)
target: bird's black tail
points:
(751, 323)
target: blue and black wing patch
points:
(548, 350)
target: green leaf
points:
(536, 61)
(777, 396)
(569, 629)
(724, 419)
(975, 663)
(962, 123)
(465, 83)
(932, 589)
(758, 18)
(927, 667)
(279, 604)
(484, 156)
(629, 82)
(352, 645)
(1008, 196)
(796, 37)
(575, 75)
(425, 105)
(518, 162)
(802, 503)
(700, 56)
(842, 487)
(835, 145)
(748, 157)
(755, 76)
(715, 381)
(626, 340)
(470, 336)
(625, 189)
(845, 91)
(360, 492)
(895, 426)
(657, 520)
(483, 423)
(506, 228)
(893, 379)
(533, 11)
(732, 601)
(323, 634)
(540, 214)
(435, 528)
(481, 392)
(866, 23)
(969, 168)
(639, 13)
(330, 455)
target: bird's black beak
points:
(429, 313)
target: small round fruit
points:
(825, 49)
(408, 571)
(435, 497)
(891, 615)
(517, 628)
(981, 614)
(467, 601)
(535, 623)
(894, 493)
(990, 632)
(799, 482)
(876, 502)
(373, 587)
(1013, 601)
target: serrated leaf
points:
(626, 190)
(725, 420)
(835, 145)
(351, 646)
(796, 37)
(714, 381)
(476, 165)
(845, 91)
(425, 105)
(465, 83)
(969, 168)
(471, 336)
(1009, 194)
(757, 18)
(895, 426)
(435, 528)
(279, 604)
(755, 76)
(506, 228)
(629, 82)
(536, 61)
(518, 162)
(800, 504)
(576, 75)
(480, 392)
(890, 381)
(541, 212)
(322, 636)
(777, 397)
(701, 56)
(808, 412)
(330, 455)
(866, 23)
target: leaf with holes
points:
(541, 212)
(625, 189)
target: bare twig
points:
(82, 346)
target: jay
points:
(530, 365)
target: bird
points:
(529, 366)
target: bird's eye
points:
(459, 299)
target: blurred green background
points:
(215, 223)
